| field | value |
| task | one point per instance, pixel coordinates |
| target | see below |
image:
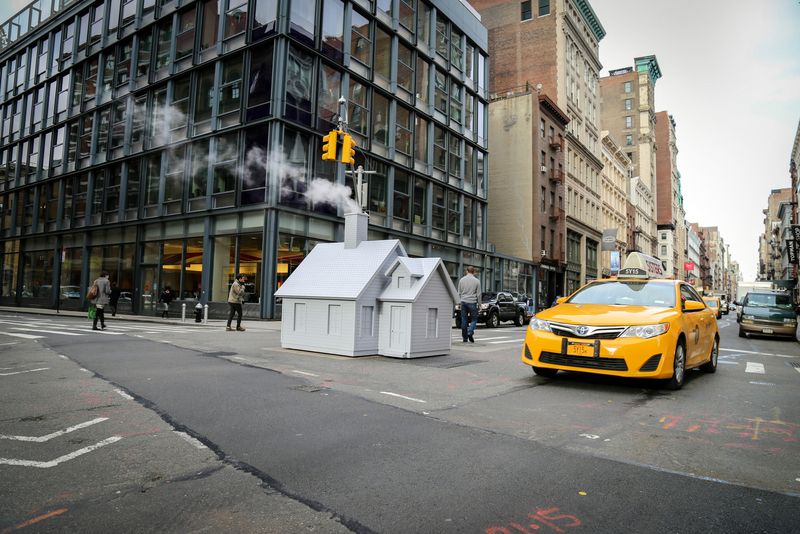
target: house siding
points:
(435, 295)
(328, 326)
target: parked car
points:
(769, 313)
(525, 302)
(496, 307)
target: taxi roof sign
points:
(641, 266)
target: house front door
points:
(397, 325)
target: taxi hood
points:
(604, 315)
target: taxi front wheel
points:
(678, 368)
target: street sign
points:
(688, 266)
(796, 232)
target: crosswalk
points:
(27, 329)
(513, 336)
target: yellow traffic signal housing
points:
(348, 150)
(329, 145)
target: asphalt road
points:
(472, 442)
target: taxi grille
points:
(608, 364)
(594, 332)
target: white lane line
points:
(303, 373)
(40, 331)
(23, 336)
(507, 341)
(26, 371)
(757, 383)
(754, 367)
(9, 343)
(123, 394)
(402, 396)
(63, 357)
(104, 332)
(727, 362)
(762, 353)
(61, 459)
(48, 437)
(496, 337)
(196, 443)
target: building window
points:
(407, 14)
(628, 122)
(440, 91)
(380, 119)
(526, 12)
(260, 83)
(209, 24)
(361, 39)
(663, 250)
(628, 104)
(333, 29)
(420, 200)
(186, 33)
(629, 140)
(236, 17)
(143, 55)
(383, 53)
(299, 76)
(626, 87)
(544, 7)
(402, 185)
(422, 80)
(405, 67)
(263, 18)
(358, 108)
(421, 139)
(442, 37)
(403, 132)
(439, 147)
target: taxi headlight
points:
(645, 331)
(539, 324)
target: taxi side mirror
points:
(561, 300)
(693, 305)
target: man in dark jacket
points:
(101, 300)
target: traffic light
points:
(329, 145)
(348, 150)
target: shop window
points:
(223, 269)
(192, 283)
(171, 267)
(250, 264)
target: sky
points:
(731, 80)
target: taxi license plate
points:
(766, 330)
(580, 349)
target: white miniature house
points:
(340, 299)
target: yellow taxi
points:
(715, 305)
(638, 325)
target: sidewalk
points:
(250, 324)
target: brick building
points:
(669, 201)
(554, 44)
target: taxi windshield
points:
(769, 300)
(624, 293)
(711, 302)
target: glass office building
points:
(176, 143)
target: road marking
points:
(9, 343)
(36, 519)
(757, 383)
(497, 337)
(753, 367)
(63, 357)
(85, 370)
(105, 332)
(48, 437)
(762, 353)
(402, 396)
(26, 371)
(123, 394)
(61, 459)
(507, 341)
(196, 443)
(303, 373)
(727, 362)
(23, 336)
(40, 331)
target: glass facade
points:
(178, 142)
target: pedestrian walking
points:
(101, 300)
(235, 300)
(165, 298)
(469, 293)
(113, 299)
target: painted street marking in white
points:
(40, 331)
(23, 336)
(797, 369)
(48, 437)
(9, 343)
(26, 371)
(489, 338)
(61, 459)
(753, 367)
(590, 436)
(239, 358)
(507, 341)
(763, 353)
(123, 394)
(63, 357)
(727, 363)
(757, 383)
(105, 332)
(402, 396)
(303, 373)
(85, 370)
(196, 443)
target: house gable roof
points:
(331, 271)
(422, 270)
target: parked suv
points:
(770, 313)
(494, 308)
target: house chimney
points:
(355, 229)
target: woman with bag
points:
(102, 290)
(165, 298)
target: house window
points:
(526, 12)
(544, 7)
(628, 122)
(626, 87)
